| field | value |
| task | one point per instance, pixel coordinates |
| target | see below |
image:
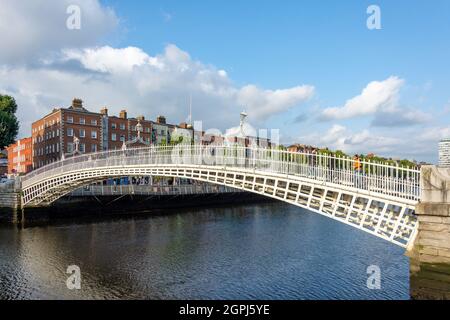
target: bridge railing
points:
(376, 177)
(151, 190)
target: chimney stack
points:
(142, 118)
(123, 114)
(161, 120)
(104, 111)
(77, 103)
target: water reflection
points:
(266, 251)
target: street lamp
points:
(139, 129)
(242, 122)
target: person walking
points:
(357, 163)
(357, 168)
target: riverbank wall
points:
(10, 207)
(430, 257)
(95, 207)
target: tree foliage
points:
(9, 125)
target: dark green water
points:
(263, 251)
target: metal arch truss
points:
(388, 217)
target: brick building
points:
(20, 156)
(53, 135)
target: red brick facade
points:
(53, 135)
(20, 156)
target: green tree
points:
(9, 126)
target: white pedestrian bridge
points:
(380, 199)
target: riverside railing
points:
(151, 190)
(393, 180)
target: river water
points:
(258, 251)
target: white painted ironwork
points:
(378, 199)
(152, 190)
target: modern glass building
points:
(444, 153)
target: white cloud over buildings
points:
(45, 65)
(375, 97)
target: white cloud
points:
(376, 96)
(264, 103)
(411, 143)
(401, 117)
(149, 85)
(341, 138)
(111, 60)
(434, 134)
(175, 73)
(31, 30)
(45, 65)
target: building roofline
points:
(56, 110)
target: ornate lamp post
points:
(139, 129)
(242, 122)
(76, 143)
(75, 151)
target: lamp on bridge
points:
(76, 143)
(139, 129)
(138, 141)
(75, 150)
(242, 122)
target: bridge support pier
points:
(430, 255)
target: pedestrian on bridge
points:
(358, 169)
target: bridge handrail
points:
(381, 177)
(180, 189)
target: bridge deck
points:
(378, 199)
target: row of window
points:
(81, 121)
(114, 137)
(51, 148)
(45, 125)
(81, 147)
(114, 126)
(133, 128)
(19, 159)
(22, 168)
(48, 135)
(54, 148)
(20, 148)
(81, 133)
(42, 163)
(122, 138)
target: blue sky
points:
(278, 44)
(262, 46)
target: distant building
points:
(444, 153)
(54, 135)
(302, 148)
(20, 156)
(296, 148)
